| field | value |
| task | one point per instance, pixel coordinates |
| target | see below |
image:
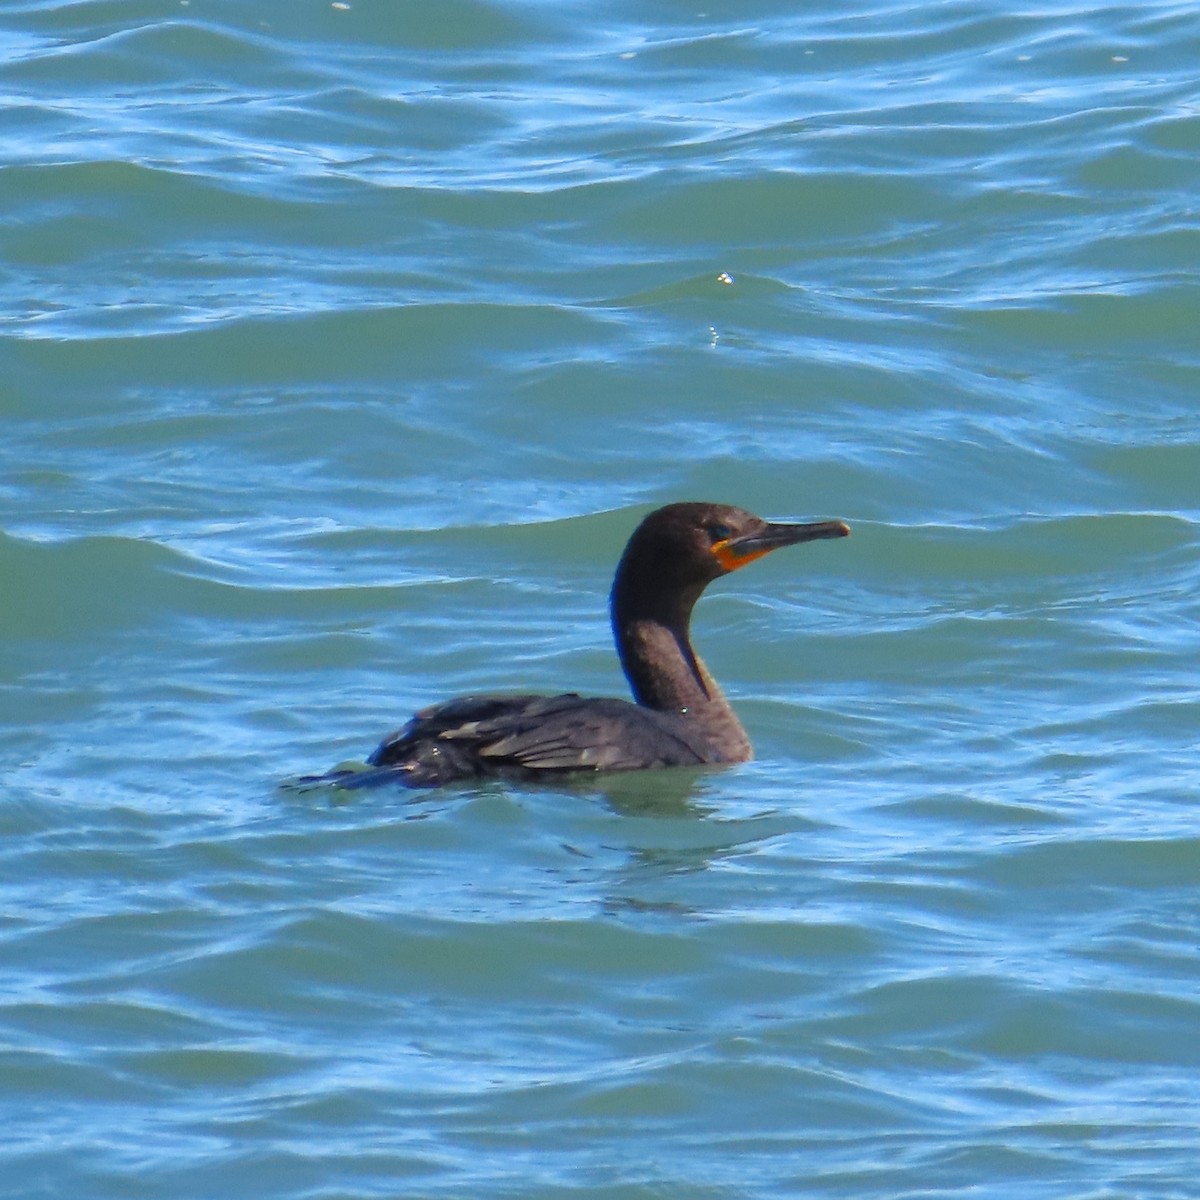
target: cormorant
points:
(680, 718)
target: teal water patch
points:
(344, 348)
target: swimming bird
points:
(679, 716)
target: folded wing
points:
(536, 736)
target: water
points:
(343, 345)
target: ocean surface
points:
(342, 345)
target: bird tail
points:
(349, 776)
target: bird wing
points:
(486, 734)
(571, 733)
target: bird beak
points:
(736, 552)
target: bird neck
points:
(665, 672)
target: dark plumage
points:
(680, 717)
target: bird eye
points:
(719, 533)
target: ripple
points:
(347, 344)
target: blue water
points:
(341, 348)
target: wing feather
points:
(538, 735)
